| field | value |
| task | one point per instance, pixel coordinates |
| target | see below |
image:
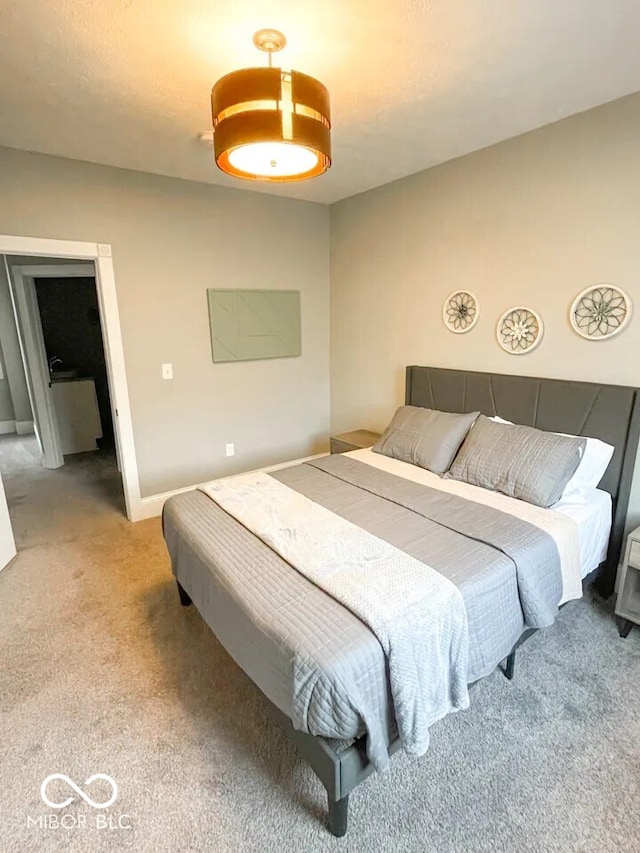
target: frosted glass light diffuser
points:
(273, 159)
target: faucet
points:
(53, 361)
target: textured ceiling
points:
(413, 83)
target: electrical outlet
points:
(167, 371)
(230, 449)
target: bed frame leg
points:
(338, 816)
(625, 628)
(510, 666)
(185, 600)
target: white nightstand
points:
(628, 603)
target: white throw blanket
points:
(416, 613)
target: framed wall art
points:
(519, 330)
(248, 325)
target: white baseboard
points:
(7, 427)
(24, 427)
(151, 507)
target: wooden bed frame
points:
(608, 412)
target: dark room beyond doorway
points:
(73, 338)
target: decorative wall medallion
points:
(600, 311)
(519, 330)
(460, 311)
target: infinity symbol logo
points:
(79, 791)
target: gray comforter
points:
(312, 657)
(417, 615)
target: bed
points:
(320, 665)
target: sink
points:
(59, 375)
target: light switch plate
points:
(230, 449)
(167, 371)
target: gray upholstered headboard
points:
(608, 412)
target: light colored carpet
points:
(104, 672)
(82, 498)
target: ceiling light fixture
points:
(270, 124)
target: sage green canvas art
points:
(248, 325)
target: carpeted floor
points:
(104, 672)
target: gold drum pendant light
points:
(270, 124)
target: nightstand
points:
(355, 440)
(628, 603)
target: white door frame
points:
(100, 254)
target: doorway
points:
(42, 289)
(74, 347)
(57, 323)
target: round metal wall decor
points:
(519, 330)
(600, 311)
(460, 311)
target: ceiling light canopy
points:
(270, 124)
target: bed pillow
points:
(595, 461)
(425, 437)
(519, 461)
(592, 467)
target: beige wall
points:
(530, 221)
(171, 241)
